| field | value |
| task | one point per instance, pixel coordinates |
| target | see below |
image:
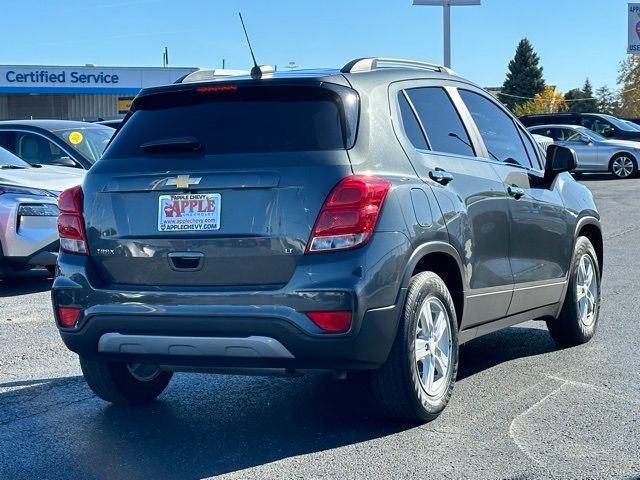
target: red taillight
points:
(349, 214)
(70, 224)
(334, 322)
(216, 88)
(68, 316)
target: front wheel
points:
(623, 166)
(122, 383)
(578, 318)
(416, 381)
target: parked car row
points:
(38, 160)
(609, 144)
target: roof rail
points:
(367, 64)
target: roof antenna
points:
(257, 70)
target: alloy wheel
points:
(622, 167)
(143, 372)
(433, 345)
(587, 290)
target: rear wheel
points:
(578, 318)
(417, 379)
(623, 165)
(122, 383)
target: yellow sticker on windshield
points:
(75, 137)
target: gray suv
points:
(369, 218)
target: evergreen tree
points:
(589, 104)
(524, 78)
(580, 100)
(608, 101)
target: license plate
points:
(189, 212)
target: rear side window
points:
(410, 124)
(497, 129)
(235, 119)
(441, 122)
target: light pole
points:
(446, 21)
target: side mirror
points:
(559, 159)
(64, 162)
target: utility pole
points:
(165, 57)
(446, 21)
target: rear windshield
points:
(236, 119)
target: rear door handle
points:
(441, 176)
(516, 192)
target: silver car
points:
(29, 211)
(594, 152)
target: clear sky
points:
(574, 38)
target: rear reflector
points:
(349, 214)
(68, 316)
(333, 321)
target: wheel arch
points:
(590, 227)
(442, 259)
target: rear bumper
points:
(231, 342)
(217, 328)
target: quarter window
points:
(531, 148)
(441, 122)
(410, 123)
(497, 129)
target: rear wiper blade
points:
(171, 145)
(11, 167)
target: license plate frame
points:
(189, 212)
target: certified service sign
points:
(633, 44)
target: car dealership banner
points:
(88, 79)
(633, 44)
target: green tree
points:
(629, 80)
(607, 100)
(581, 100)
(524, 78)
(574, 98)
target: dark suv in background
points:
(369, 218)
(606, 125)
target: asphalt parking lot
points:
(522, 408)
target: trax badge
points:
(183, 181)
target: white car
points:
(29, 212)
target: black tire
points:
(115, 383)
(634, 165)
(397, 385)
(569, 328)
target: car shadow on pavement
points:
(207, 425)
(33, 281)
(503, 346)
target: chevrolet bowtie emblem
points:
(183, 181)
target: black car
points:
(606, 125)
(64, 143)
(369, 218)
